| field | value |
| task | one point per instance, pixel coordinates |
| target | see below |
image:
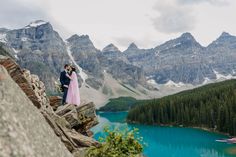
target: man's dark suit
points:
(64, 81)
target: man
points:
(65, 81)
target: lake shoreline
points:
(170, 125)
(182, 126)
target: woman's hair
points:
(73, 68)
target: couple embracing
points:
(70, 86)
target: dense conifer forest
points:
(211, 106)
(119, 104)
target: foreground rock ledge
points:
(70, 123)
(23, 130)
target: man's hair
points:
(65, 66)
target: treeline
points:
(211, 106)
(119, 104)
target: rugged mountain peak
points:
(187, 36)
(225, 34)
(185, 41)
(36, 23)
(77, 37)
(224, 40)
(110, 48)
(82, 43)
(132, 46)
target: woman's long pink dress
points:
(73, 95)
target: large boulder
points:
(70, 123)
(81, 118)
(55, 101)
(23, 130)
(30, 84)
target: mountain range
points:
(177, 64)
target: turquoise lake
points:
(170, 141)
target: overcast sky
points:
(148, 23)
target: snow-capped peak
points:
(36, 23)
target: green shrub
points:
(118, 144)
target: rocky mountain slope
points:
(175, 65)
(184, 60)
(19, 134)
(26, 132)
(39, 48)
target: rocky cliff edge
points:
(56, 132)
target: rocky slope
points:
(24, 131)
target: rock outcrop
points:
(23, 130)
(70, 123)
(55, 102)
(30, 84)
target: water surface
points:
(170, 141)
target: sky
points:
(147, 23)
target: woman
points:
(73, 95)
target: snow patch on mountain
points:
(221, 76)
(24, 39)
(206, 80)
(36, 23)
(152, 81)
(3, 37)
(83, 75)
(171, 83)
(15, 51)
(176, 44)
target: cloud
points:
(123, 41)
(173, 18)
(16, 13)
(213, 2)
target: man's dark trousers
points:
(64, 81)
(64, 95)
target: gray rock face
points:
(180, 60)
(39, 48)
(110, 48)
(109, 59)
(19, 136)
(221, 54)
(132, 50)
(111, 52)
(85, 54)
(3, 52)
(185, 60)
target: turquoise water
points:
(170, 141)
